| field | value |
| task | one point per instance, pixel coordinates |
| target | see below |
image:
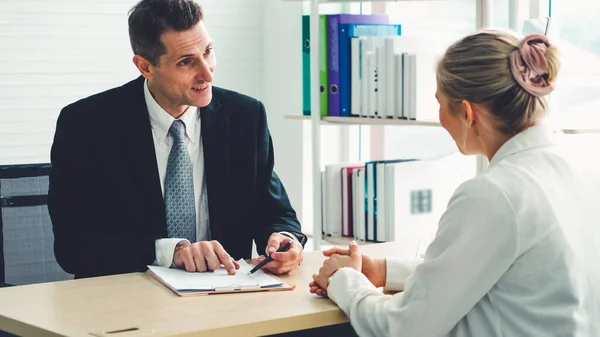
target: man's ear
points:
(144, 66)
(469, 112)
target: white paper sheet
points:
(182, 281)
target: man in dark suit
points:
(168, 169)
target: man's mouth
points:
(200, 87)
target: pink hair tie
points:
(530, 67)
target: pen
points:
(268, 259)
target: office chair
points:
(26, 237)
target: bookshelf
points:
(366, 121)
(483, 16)
(347, 1)
(334, 120)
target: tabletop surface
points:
(137, 301)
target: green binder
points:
(324, 82)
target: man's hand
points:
(204, 256)
(350, 257)
(283, 262)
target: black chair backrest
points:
(26, 237)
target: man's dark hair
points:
(149, 19)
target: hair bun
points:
(529, 65)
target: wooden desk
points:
(81, 307)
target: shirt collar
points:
(161, 120)
(539, 135)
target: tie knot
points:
(177, 131)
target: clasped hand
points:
(373, 269)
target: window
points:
(577, 97)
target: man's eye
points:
(208, 51)
(184, 62)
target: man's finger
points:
(199, 259)
(274, 243)
(186, 256)
(212, 260)
(271, 266)
(291, 255)
(267, 267)
(235, 263)
(280, 267)
(257, 260)
(224, 258)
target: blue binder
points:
(346, 32)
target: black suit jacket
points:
(105, 199)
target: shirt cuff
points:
(344, 284)
(290, 235)
(397, 270)
(165, 248)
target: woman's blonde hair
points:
(508, 77)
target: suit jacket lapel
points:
(216, 148)
(139, 146)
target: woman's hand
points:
(374, 269)
(331, 265)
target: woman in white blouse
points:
(517, 252)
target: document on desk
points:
(219, 281)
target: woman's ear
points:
(468, 112)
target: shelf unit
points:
(335, 120)
(366, 121)
(483, 19)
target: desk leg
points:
(345, 330)
(6, 334)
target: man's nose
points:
(204, 74)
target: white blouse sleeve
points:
(475, 244)
(396, 272)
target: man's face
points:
(184, 74)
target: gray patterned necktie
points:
(179, 188)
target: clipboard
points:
(185, 284)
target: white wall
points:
(282, 90)
(236, 28)
(54, 52)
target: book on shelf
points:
(339, 28)
(347, 34)
(382, 201)
(333, 213)
(329, 58)
(368, 68)
(347, 176)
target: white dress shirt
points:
(161, 121)
(516, 253)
